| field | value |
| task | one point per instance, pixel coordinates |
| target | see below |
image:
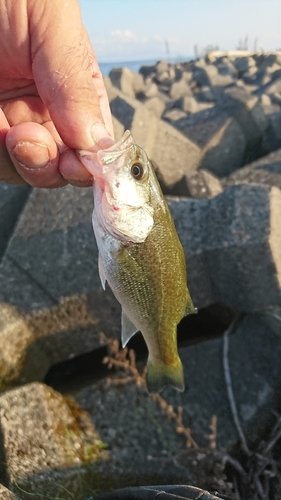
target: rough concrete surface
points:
(46, 443)
(266, 170)
(142, 438)
(6, 494)
(232, 247)
(49, 266)
(12, 200)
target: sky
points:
(127, 30)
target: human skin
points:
(52, 97)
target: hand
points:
(52, 96)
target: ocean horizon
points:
(135, 66)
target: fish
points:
(140, 255)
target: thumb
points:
(67, 75)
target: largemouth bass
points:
(140, 255)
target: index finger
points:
(67, 75)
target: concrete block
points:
(247, 111)
(243, 64)
(147, 70)
(123, 79)
(135, 116)
(150, 89)
(208, 75)
(50, 294)
(252, 349)
(180, 89)
(164, 72)
(173, 115)
(47, 442)
(272, 137)
(12, 200)
(118, 129)
(226, 67)
(232, 247)
(209, 185)
(200, 184)
(6, 494)
(220, 137)
(205, 94)
(171, 153)
(224, 152)
(156, 105)
(265, 171)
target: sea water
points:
(106, 67)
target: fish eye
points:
(137, 171)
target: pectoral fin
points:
(128, 329)
(101, 272)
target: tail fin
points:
(160, 375)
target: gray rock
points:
(6, 494)
(265, 171)
(118, 129)
(221, 138)
(165, 73)
(267, 62)
(47, 442)
(276, 98)
(247, 111)
(243, 64)
(250, 349)
(205, 94)
(208, 75)
(50, 295)
(272, 137)
(138, 83)
(227, 68)
(150, 89)
(224, 152)
(123, 79)
(12, 199)
(232, 247)
(171, 153)
(265, 100)
(135, 116)
(147, 70)
(156, 105)
(272, 85)
(180, 89)
(202, 184)
(174, 114)
(191, 105)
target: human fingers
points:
(35, 155)
(31, 109)
(8, 172)
(73, 92)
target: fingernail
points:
(101, 137)
(31, 154)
